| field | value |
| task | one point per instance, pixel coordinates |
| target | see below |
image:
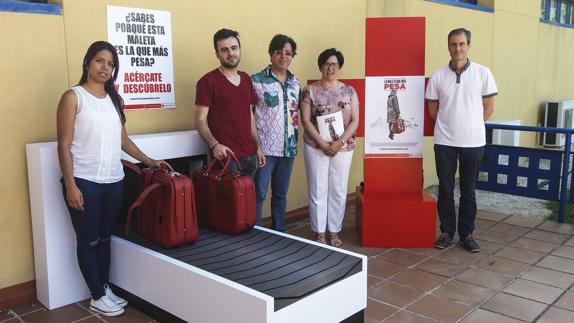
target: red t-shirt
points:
(229, 117)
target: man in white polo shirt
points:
(460, 97)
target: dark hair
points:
(324, 56)
(459, 31)
(278, 41)
(224, 34)
(109, 86)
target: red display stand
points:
(392, 208)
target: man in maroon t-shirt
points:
(224, 99)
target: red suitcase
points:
(167, 215)
(398, 126)
(225, 199)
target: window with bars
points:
(557, 11)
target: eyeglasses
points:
(331, 65)
(284, 53)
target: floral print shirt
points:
(327, 100)
(277, 113)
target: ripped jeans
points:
(93, 227)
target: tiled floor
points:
(524, 273)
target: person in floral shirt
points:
(276, 117)
(326, 106)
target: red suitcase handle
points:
(137, 203)
(132, 166)
(224, 168)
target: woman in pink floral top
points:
(330, 116)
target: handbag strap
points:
(138, 202)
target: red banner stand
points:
(392, 208)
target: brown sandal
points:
(320, 237)
(334, 240)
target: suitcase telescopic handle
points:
(141, 198)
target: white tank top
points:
(97, 139)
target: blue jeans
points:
(93, 227)
(278, 171)
(248, 165)
(446, 158)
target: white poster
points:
(394, 116)
(142, 38)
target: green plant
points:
(554, 207)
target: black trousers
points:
(447, 158)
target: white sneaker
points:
(116, 299)
(106, 306)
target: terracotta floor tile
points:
(556, 227)
(367, 251)
(483, 224)
(483, 316)
(94, 319)
(558, 263)
(491, 216)
(549, 277)
(5, 315)
(383, 269)
(493, 236)
(534, 291)
(131, 315)
(441, 267)
(547, 236)
(514, 306)
(406, 316)
(564, 251)
(534, 245)
(461, 256)
(350, 236)
(523, 221)
(522, 255)
(555, 315)
(503, 266)
(439, 308)
(69, 313)
(394, 294)
(372, 281)
(484, 278)
(566, 301)
(402, 257)
(463, 292)
(570, 242)
(418, 279)
(27, 308)
(510, 229)
(488, 247)
(425, 251)
(377, 311)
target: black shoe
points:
(444, 241)
(469, 244)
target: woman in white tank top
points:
(91, 137)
